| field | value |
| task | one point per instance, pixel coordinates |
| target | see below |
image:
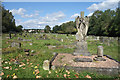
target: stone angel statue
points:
(82, 28)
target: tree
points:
(66, 28)
(8, 22)
(19, 28)
(47, 29)
(105, 23)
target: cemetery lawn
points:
(32, 66)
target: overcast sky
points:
(38, 14)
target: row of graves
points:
(81, 59)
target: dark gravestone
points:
(27, 52)
(20, 34)
(83, 60)
(19, 45)
(10, 35)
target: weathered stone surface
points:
(27, 40)
(99, 54)
(99, 59)
(53, 67)
(15, 44)
(54, 53)
(82, 28)
(83, 60)
(30, 43)
(100, 51)
(46, 65)
(51, 47)
(81, 49)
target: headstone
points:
(15, 44)
(51, 47)
(20, 38)
(54, 53)
(20, 34)
(19, 45)
(98, 38)
(10, 35)
(30, 43)
(61, 40)
(27, 52)
(82, 28)
(46, 65)
(99, 54)
(100, 51)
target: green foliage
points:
(102, 23)
(19, 28)
(105, 23)
(66, 28)
(47, 29)
(8, 22)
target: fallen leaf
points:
(8, 76)
(37, 71)
(35, 67)
(55, 71)
(67, 72)
(49, 72)
(64, 64)
(9, 63)
(28, 60)
(14, 77)
(23, 68)
(65, 75)
(33, 72)
(20, 65)
(68, 75)
(38, 76)
(76, 75)
(88, 76)
(12, 60)
(13, 74)
(57, 75)
(16, 69)
(11, 68)
(47, 76)
(37, 64)
(6, 67)
(1, 74)
(6, 62)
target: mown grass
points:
(43, 53)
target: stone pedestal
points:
(99, 54)
(81, 49)
(46, 65)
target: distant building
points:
(34, 30)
